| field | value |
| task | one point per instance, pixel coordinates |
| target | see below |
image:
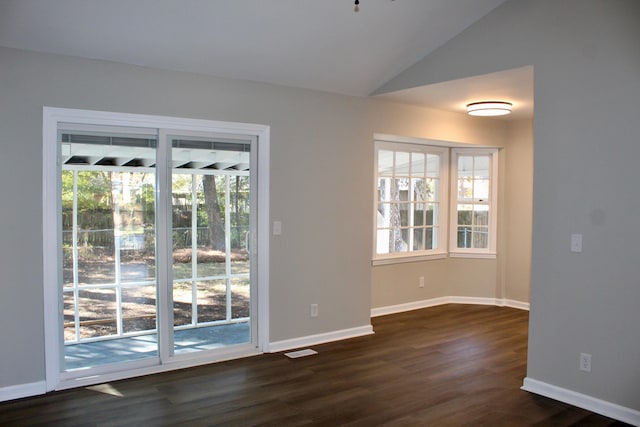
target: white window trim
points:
(443, 231)
(51, 118)
(451, 220)
(490, 251)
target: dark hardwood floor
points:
(451, 365)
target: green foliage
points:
(96, 205)
(94, 190)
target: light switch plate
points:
(576, 243)
(277, 228)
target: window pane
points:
(433, 165)
(465, 189)
(398, 239)
(240, 228)
(97, 309)
(482, 166)
(211, 256)
(135, 205)
(432, 215)
(212, 301)
(182, 303)
(384, 215)
(430, 241)
(481, 215)
(464, 237)
(403, 161)
(432, 189)
(464, 214)
(404, 244)
(419, 214)
(240, 301)
(240, 257)
(420, 190)
(402, 189)
(385, 163)
(69, 307)
(417, 164)
(465, 166)
(67, 227)
(481, 238)
(139, 309)
(98, 191)
(481, 190)
(404, 214)
(384, 189)
(182, 204)
(418, 239)
(382, 241)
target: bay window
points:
(413, 200)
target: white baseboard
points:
(22, 390)
(476, 301)
(521, 305)
(415, 305)
(309, 340)
(602, 407)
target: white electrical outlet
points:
(585, 362)
(313, 311)
(421, 282)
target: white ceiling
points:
(315, 44)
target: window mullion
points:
(411, 205)
(194, 250)
(117, 231)
(164, 242)
(74, 232)
(227, 243)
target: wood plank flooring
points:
(451, 365)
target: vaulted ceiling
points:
(321, 44)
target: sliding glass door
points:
(210, 237)
(155, 232)
(108, 216)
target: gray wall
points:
(587, 142)
(321, 183)
(515, 262)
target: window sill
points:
(408, 258)
(477, 255)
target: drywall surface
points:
(518, 193)
(396, 284)
(587, 73)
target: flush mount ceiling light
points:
(489, 108)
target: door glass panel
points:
(240, 228)
(211, 243)
(139, 309)
(111, 199)
(182, 303)
(212, 300)
(240, 297)
(108, 244)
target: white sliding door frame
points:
(54, 350)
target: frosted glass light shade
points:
(489, 108)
